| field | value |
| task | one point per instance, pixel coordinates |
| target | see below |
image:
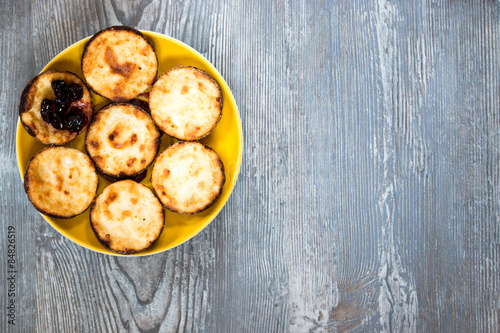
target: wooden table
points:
(369, 193)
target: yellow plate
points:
(226, 140)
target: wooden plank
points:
(15, 22)
(368, 197)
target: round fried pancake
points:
(186, 103)
(60, 182)
(127, 217)
(122, 140)
(188, 177)
(40, 88)
(119, 63)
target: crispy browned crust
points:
(137, 178)
(27, 98)
(220, 99)
(27, 184)
(211, 79)
(106, 241)
(122, 175)
(221, 186)
(115, 28)
(216, 197)
(221, 165)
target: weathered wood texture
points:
(369, 193)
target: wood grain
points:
(369, 194)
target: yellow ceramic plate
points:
(226, 140)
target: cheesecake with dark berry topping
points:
(55, 107)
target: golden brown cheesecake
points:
(55, 107)
(119, 63)
(60, 182)
(127, 217)
(186, 103)
(188, 177)
(122, 140)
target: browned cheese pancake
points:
(188, 177)
(122, 140)
(60, 182)
(119, 63)
(127, 217)
(186, 103)
(55, 107)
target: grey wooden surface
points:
(369, 193)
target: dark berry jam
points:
(60, 113)
(60, 89)
(61, 106)
(75, 92)
(75, 119)
(47, 109)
